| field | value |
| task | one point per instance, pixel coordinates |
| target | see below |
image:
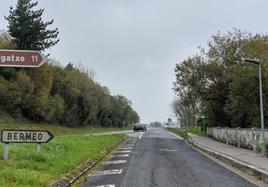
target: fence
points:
(247, 138)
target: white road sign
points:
(26, 136)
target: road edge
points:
(257, 173)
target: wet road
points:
(157, 158)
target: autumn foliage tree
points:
(220, 84)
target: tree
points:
(183, 113)
(243, 99)
(28, 30)
(69, 96)
(218, 80)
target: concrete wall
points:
(247, 138)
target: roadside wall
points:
(247, 138)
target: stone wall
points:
(247, 138)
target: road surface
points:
(157, 158)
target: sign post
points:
(6, 151)
(38, 148)
(21, 58)
(25, 136)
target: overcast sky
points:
(133, 45)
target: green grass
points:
(182, 133)
(26, 169)
(58, 157)
(7, 122)
(196, 131)
(57, 130)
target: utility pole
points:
(257, 62)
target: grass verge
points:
(58, 157)
(196, 131)
(57, 130)
(182, 133)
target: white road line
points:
(115, 162)
(169, 150)
(141, 135)
(106, 185)
(125, 148)
(120, 155)
(124, 151)
(106, 172)
(128, 146)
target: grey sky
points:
(133, 45)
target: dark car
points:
(139, 127)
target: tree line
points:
(51, 93)
(218, 86)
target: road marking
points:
(129, 146)
(106, 172)
(106, 185)
(125, 151)
(115, 162)
(141, 135)
(125, 148)
(169, 150)
(120, 155)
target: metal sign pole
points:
(6, 151)
(27, 59)
(24, 136)
(38, 148)
(263, 148)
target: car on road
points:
(139, 127)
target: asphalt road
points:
(157, 158)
